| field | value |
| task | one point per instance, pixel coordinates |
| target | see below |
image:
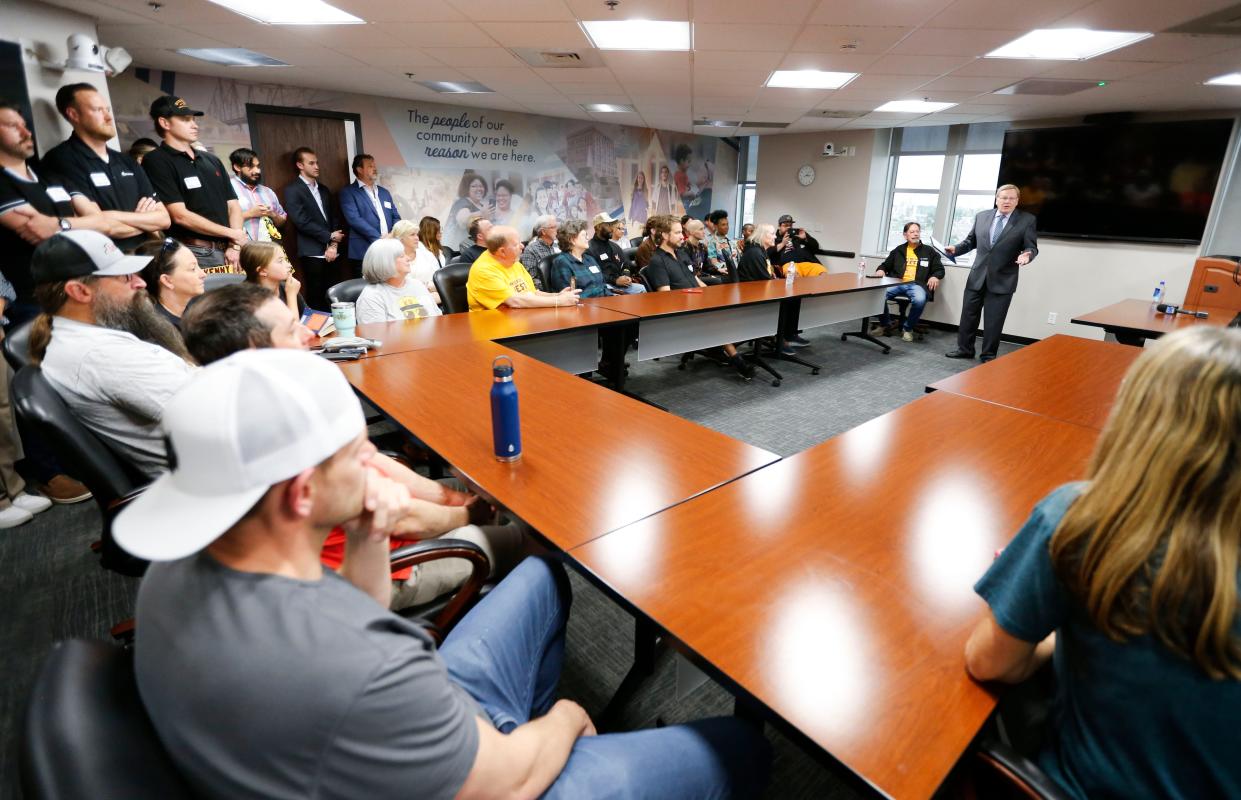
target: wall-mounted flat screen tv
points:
(1147, 182)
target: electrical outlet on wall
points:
(851, 150)
(1051, 318)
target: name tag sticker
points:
(604, 257)
(100, 179)
(594, 269)
(125, 174)
(58, 194)
(387, 204)
(192, 182)
(924, 262)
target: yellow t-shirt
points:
(491, 283)
(911, 263)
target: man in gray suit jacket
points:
(1006, 241)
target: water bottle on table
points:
(861, 267)
(1157, 297)
(505, 416)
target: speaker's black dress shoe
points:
(959, 354)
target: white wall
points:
(1068, 277)
(41, 30)
(833, 208)
(725, 185)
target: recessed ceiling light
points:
(913, 106)
(456, 87)
(808, 79)
(638, 34)
(231, 56)
(1231, 79)
(606, 108)
(717, 123)
(291, 12)
(1066, 44)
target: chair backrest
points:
(545, 270)
(450, 285)
(627, 254)
(81, 453)
(458, 260)
(218, 280)
(16, 345)
(87, 734)
(449, 253)
(1216, 281)
(346, 291)
(636, 241)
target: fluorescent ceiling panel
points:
(291, 12)
(456, 87)
(1066, 44)
(913, 106)
(606, 108)
(1231, 79)
(638, 34)
(231, 56)
(808, 79)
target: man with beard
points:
(256, 200)
(102, 345)
(99, 178)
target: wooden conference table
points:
(1132, 322)
(835, 587)
(1063, 377)
(594, 460)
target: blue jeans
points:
(507, 653)
(917, 301)
(633, 288)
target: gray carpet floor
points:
(53, 588)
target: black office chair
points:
(84, 456)
(545, 270)
(450, 285)
(218, 280)
(628, 255)
(87, 734)
(902, 313)
(346, 291)
(16, 345)
(458, 260)
(1001, 772)
(635, 241)
(450, 254)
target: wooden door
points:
(276, 135)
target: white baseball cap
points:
(76, 254)
(240, 426)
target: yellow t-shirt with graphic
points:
(491, 283)
(911, 263)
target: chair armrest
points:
(467, 595)
(1024, 775)
(835, 253)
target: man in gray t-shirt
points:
(265, 675)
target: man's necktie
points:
(997, 227)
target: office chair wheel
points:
(814, 371)
(844, 338)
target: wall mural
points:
(450, 162)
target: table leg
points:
(646, 644)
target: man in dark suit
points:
(367, 208)
(309, 204)
(1006, 241)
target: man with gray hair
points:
(542, 244)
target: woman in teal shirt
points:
(575, 263)
(1129, 582)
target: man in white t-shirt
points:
(99, 314)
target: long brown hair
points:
(1151, 546)
(429, 234)
(256, 255)
(51, 298)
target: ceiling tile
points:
(832, 62)
(440, 34)
(868, 40)
(559, 76)
(1099, 70)
(398, 57)
(743, 10)
(542, 35)
(513, 10)
(876, 12)
(1004, 68)
(890, 83)
(954, 83)
(167, 37)
(768, 114)
(623, 62)
(1020, 15)
(757, 37)
(474, 56)
(1139, 15)
(735, 60)
(789, 98)
(348, 37)
(951, 42)
(1174, 47)
(399, 10)
(632, 9)
(899, 64)
(245, 34)
(313, 57)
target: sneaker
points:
(907, 336)
(876, 329)
(799, 341)
(64, 490)
(13, 516)
(786, 350)
(32, 503)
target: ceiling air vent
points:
(1048, 87)
(764, 125)
(829, 114)
(558, 59)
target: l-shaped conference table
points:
(830, 590)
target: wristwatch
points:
(64, 224)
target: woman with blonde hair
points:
(266, 264)
(1130, 579)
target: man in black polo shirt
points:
(667, 272)
(195, 187)
(98, 177)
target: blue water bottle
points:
(505, 416)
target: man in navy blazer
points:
(309, 204)
(1006, 240)
(368, 209)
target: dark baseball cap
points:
(76, 254)
(169, 106)
(786, 218)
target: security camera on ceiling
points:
(87, 55)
